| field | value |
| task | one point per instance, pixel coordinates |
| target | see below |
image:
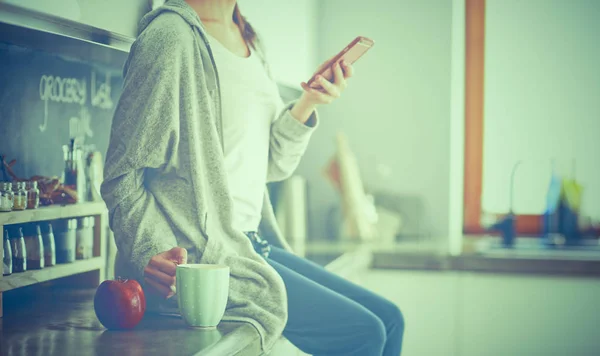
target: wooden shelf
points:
(52, 213)
(96, 209)
(18, 280)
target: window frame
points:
(474, 126)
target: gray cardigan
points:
(165, 183)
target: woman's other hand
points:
(159, 274)
(325, 93)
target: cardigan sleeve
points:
(288, 142)
(144, 137)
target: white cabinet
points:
(468, 314)
(430, 306)
(526, 315)
(289, 32)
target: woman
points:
(190, 153)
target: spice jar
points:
(7, 255)
(33, 194)
(49, 244)
(6, 197)
(85, 238)
(19, 253)
(65, 240)
(20, 200)
(34, 246)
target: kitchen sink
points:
(525, 247)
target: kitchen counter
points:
(434, 256)
(68, 326)
(65, 323)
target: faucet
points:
(506, 226)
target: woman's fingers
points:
(315, 87)
(163, 264)
(158, 288)
(317, 95)
(323, 91)
(177, 255)
(162, 283)
(338, 77)
(329, 87)
(159, 276)
(348, 69)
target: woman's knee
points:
(395, 319)
(375, 334)
(400, 321)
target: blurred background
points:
(458, 175)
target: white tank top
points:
(250, 102)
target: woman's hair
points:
(155, 3)
(248, 32)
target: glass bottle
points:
(33, 195)
(65, 240)
(19, 253)
(6, 197)
(7, 255)
(20, 199)
(74, 173)
(84, 238)
(49, 245)
(34, 246)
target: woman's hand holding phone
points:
(322, 91)
(330, 79)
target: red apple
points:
(119, 304)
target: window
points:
(532, 89)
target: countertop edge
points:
(483, 264)
(432, 257)
(245, 340)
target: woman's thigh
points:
(324, 322)
(385, 310)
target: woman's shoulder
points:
(166, 30)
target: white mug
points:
(202, 293)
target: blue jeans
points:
(329, 315)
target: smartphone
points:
(359, 46)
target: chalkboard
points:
(45, 99)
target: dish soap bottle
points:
(551, 217)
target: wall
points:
(542, 84)
(396, 110)
(289, 33)
(114, 15)
(457, 128)
(468, 314)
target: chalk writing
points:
(80, 127)
(101, 95)
(61, 90)
(74, 91)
